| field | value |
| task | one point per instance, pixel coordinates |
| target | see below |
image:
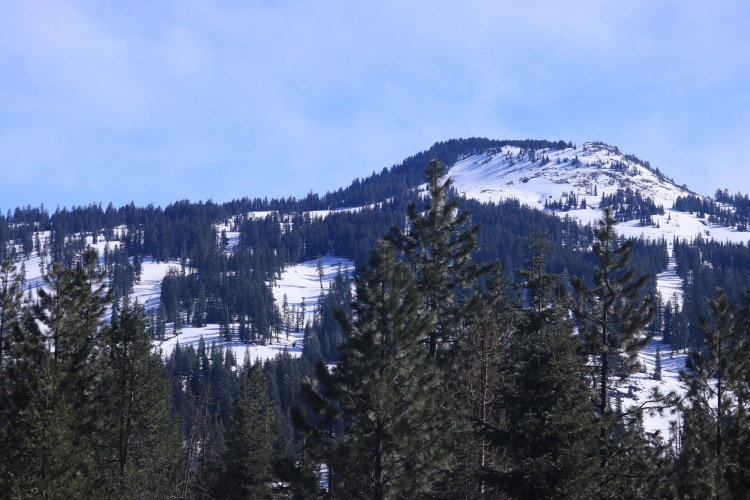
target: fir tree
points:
(57, 385)
(139, 449)
(10, 302)
(478, 404)
(657, 364)
(439, 247)
(36, 451)
(714, 407)
(549, 429)
(246, 464)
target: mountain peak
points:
(534, 177)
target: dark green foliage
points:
(38, 455)
(439, 246)
(712, 460)
(506, 367)
(246, 462)
(384, 391)
(705, 265)
(612, 316)
(10, 303)
(548, 431)
(627, 205)
(657, 364)
(88, 413)
(140, 451)
(478, 403)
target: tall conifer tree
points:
(139, 449)
(613, 315)
(439, 244)
(382, 391)
(246, 464)
(713, 456)
(549, 430)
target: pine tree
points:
(140, 448)
(10, 302)
(737, 473)
(612, 317)
(657, 364)
(319, 270)
(384, 391)
(67, 404)
(439, 247)
(56, 390)
(35, 437)
(478, 405)
(713, 409)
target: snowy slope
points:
(582, 171)
(508, 173)
(298, 283)
(588, 172)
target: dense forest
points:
(445, 367)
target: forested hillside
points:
(478, 351)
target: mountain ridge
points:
(591, 170)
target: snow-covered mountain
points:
(540, 178)
(587, 171)
(546, 179)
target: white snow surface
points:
(504, 174)
(501, 175)
(637, 389)
(298, 282)
(493, 177)
(668, 284)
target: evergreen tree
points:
(37, 456)
(657, 364)
(384, 391)
(714, 409)
(612, 316)
(246, 464)
(439, 247)
(72, 309)
(549, 428)
(56, 387)
(10, 302)
(478, 404)
(140, 446)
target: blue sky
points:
(154, 102)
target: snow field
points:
(298, 282)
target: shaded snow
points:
(298, 282)
(668, 284)
(638, 388)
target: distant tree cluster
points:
(627, 205)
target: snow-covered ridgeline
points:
(587, 172)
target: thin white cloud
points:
(320, 92)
